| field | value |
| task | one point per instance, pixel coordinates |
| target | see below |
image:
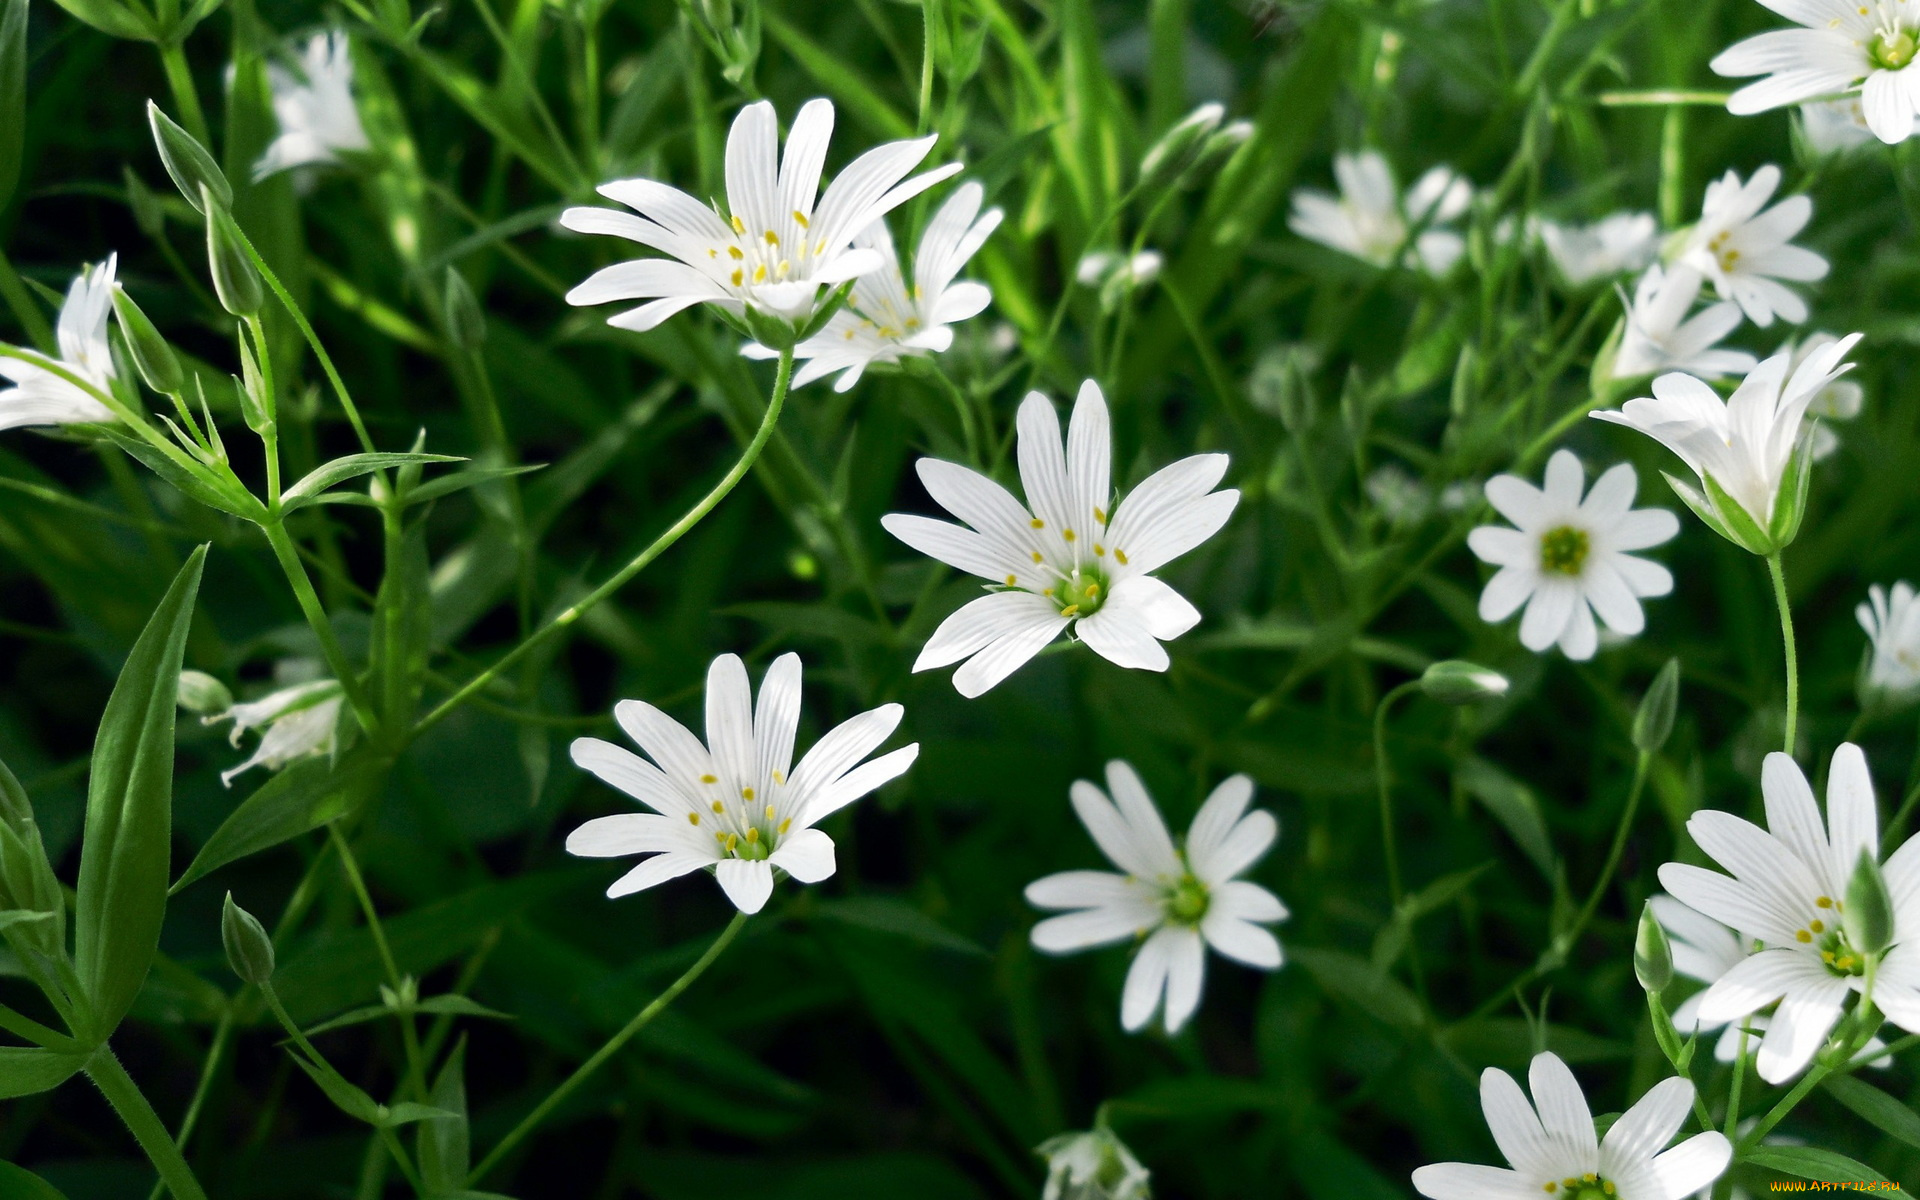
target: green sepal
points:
(824, 310)
(235, 279)
(1691, 497)
(152, 356)
(1653, 720)
(1791, 505)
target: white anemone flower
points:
(1552, 1150)
(1892, 621)
(314, 105)
(1660, 336)
(1835, 126)
(1568, 558)
(1093, 1165)
(885, 320)
(1176, 901)
(1746, 442)
(41, 397)
(1077, 558)
(1616, 244)
(1840, 400)
(735, 804)
(1746, 251)
(774, 249)
(1787, 891)
(294, 721)
(1845, 44)
(1370, 220)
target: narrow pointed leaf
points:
(303, 797)
(18, 1183)
(341, 469)
(13, 95)
(445, 1143)
(25, 1070)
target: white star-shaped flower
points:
(1370, 220)
(1614, 245)
(1835, 126)
(1660, 336)
(1869, 44)
(40, 397)
(1078, 558)
(1787, 891)
(314, 105)
(1176, 900)
(295, 721)
(1892, 621)
(1568, 558)
(731, 804)
(1553, 1152)
(1746, 251)
(885, 320)
(775, 249)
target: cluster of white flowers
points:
(1373, 222)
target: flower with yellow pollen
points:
(1746, 252)
(1553, 1152)
(736, 805)
(1863, 48)
(1076, 558)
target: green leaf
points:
(1876, 1107)
(122, 893)
(1359, 982)
(447, 485)
(16, 916)
(302, 797)
(407, 1112)
(13, 95)
(343, 469)
(1513, 804)
(25, 1070)
(445, 1143)
(18, 1183)
(887, 914)
(1809, 1162)
(215, 494)
(458, 1006)
(116, 20)
(346, 1097)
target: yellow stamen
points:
(1824, 902)
(739, 226)
(753, 835)
(719, 807)
(1093, 589)
(1011, 580)
(738, 279)
(693, 818)
(801, 218)
(1099, 550)
(1122, 556)
(708, 779)
(1802, 936)
(773, 239)
(1070, 610)
(1037, 523)
(735, 253)
(1036, 556)
(1817, 926)
(780, 777)
(786, 825)
(769, 812)
(746, 793)
(1067, 534)
(760, 273)
(1100, 514)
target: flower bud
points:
(1653, 720)
(249, 949)
(1456, 681)
(193, 170)
(1093, 1165)
(466, 324)
(235, 279)
(1180, 146)
(202, 693)
(154, 358)
(1868, 921)
(1652, 953)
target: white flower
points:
(1835, 126)
(1370, 221)
(1551, 1145)
(1659, 336)
(1099, 267)
(296, 721)
(1747, 442)
(731, 804)
(884, 320)
(1846, 43)
(1746, 252)
(42, 398)
(1093, 1165)
(1787, 891)
(1892, 621)
(1615, 245)
(1177, 901)
(1568, 559)
(314, 105)
(1399, 497)
(774, 248)
(1840, 400)
(1079, 558)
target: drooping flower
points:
(1370, 220)
(1077, 558)
(1116, 275)
(1177, 901)
(1552, 1150)
(1788, 891)
(735, 804)
(41, 397)
(885, 320)
(1092, 1165)
(1892, 621)
(314, 104)
(1746, 252)
(1835, 126)
(1745, 443)
(1568, 558)
(1840, 400)
(1843, 45)
(774, 249)
(295, 721)
(1617, 244)
(1660, 336)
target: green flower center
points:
(1563, 551)
(1585, 1187)
(1187, 902)
(1824, 932)
(1891, 51)
(1081, 593)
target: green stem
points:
(1614, 853)
(580, 1075)
(1779, 1112)
(180, 78)
(1739, 1079)
(270, 430)
(1786, 637)
(782, 380)
(222, 1034)
(127, 1100)
(409, 1035)
(1383, 775)
(309, 601)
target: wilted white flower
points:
(40, 397)
(1551, 1145)
(1745, 443)
(1787, 891)
(295, 721)
(731, 804)
(314, 105)
(1370, 221)
(1835, 126)
(1615, 245)
(1568, 559)
(1840, 400)
(1400, 498)
(1660, 336)
(1845, 44)
(1746, 252)
(885, 320)
(1099, 267)
(1079, 558)
(1892, 621)
(1093, 1165)
(1176, 901)
(774, 249)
